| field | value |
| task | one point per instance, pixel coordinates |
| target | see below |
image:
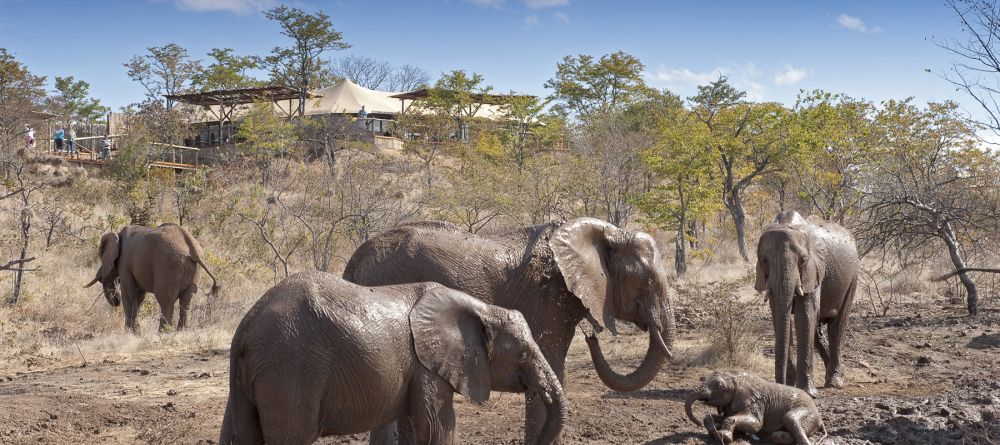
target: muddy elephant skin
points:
(319, 356)
(809, 268)
(748, 404)
(555, 274)
(163, 261)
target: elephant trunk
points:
(555, 416)
(700, 394)
(661, 338)
(781, 311)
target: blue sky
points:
(772, 49)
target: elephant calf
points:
(319, 356)
(751, 405)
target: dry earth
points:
(932, 378)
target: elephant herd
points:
(426, 309)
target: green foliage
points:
(20, 92)
(455, 94)
(165, 70)
(265, 135)
(584, 87)
(72, 101)
(227, 71)
(299, 65)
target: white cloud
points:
(854, 23)
(487, 3)
(561, 17)
(789, 75)
(684, 81)
(237, 6)
(539, 4)
(530, 21)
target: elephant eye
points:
(803, 259)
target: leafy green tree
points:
(165, 70)
(835, 138)
(686, 189)
(73, 101)
(299, 65)
(265, 135)
(748, 141)
(584, 87)
(21, 92)
(930, 182)
(227, 71)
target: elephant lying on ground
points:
(751, 405)
(810, 270)
(555, 274)
(163, 261)
(319, 356)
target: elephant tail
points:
(241, 421)
(196, 255)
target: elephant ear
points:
(451, 340)
(581, 249)
(108, 252)
(761, 283)
(811, 273)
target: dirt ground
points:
(932, 377)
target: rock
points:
(172, 392)
(906, 410)
(923, 360)
(839, 410)
(943, 412)
(883, 406)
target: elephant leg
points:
(838, 331)
(778, 437)
(740, 423)
(799, 422)
(790, 365)
(806, 310)
(166, 297)
(432, 414)
(132, 298)
(185, 305)
(821, 348)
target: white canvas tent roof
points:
(348, 97)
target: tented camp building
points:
(216, 114)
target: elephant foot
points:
(835, 381)
(812, 391)
(714, 436)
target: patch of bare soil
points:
(928, 378)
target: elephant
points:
(163, 261)
(556, 274)
(748, 404)
(809, 268)
(319, 356)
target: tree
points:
(612, 153)
(748, 140)
(72, 100)
(835, 138)
(686, 188)
(584, 87)
(265, 135)
(299, 66)
(21, 94)
(929, 182)
(227, 71)
(166, 70)
(977, 72)
(408, 78)
(364, 71)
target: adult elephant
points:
(163, 261)
(810, 270)
(318, 356)
(555, 274)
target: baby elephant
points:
(751, 405)
(320, 356)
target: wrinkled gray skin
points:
(809, 268)
(163, 261)
(555, 274)
(748, 404)
(319, 356)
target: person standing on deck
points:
(70, 135)
(58, 138)
(105, 148)
(362, 117)
(29, 138)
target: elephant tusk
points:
(92, 282)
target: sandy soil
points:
(932, 378)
